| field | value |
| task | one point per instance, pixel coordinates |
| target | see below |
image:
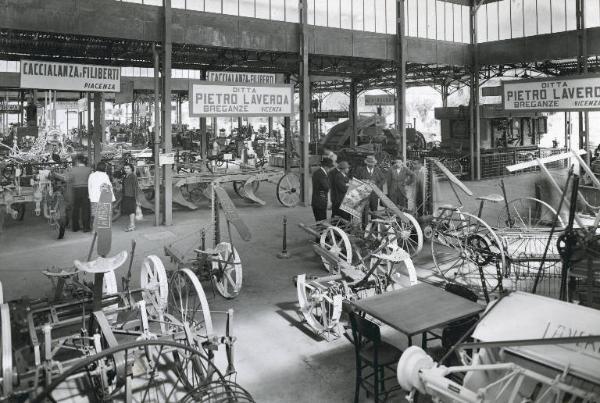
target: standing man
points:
(338, 182)
(77, 177)
(373, 174)
(398, 178)
(320, 190)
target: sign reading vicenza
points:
(234, 99)
(554, 94)
(69, 76)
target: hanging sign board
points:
(9, 108)
(378, 100)
(234, 99)
(235, 77)
(330, 116)
(69, 76)
(64, 105)
(555, 94)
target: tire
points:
(20, 207)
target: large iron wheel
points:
(529, 213)
(227, 270)
(467, 251)
(154, 378)
(188, 303)
(335, 241)
(319, 305)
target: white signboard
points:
(378, 100)
(235, 77)
(82, 105)
(69, 76)
(556, 94)
(524, 316)
(64, 105)
(234, 99)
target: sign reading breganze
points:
(555, 94)
(69, 76)
(235, 99)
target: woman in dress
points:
(130, 193)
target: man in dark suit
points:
(338, 182)
(373, 174)
(320, 189)
(398, 178)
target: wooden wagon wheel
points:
(467, 251)
(320, 309)
(288, 190)
(227, 270)
(335, 241)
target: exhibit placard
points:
(6, 107)
(378, 100)
(581, 93)
(208, 99)
(69, 76)
(241, 77)
(82, 105)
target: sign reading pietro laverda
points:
(553, 94)
(69, 76)
(236, 99)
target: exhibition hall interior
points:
(289, 201)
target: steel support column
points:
(582, 59)
(353, 113)
(89, 129)
(203, 130)
(156, 147)
(99, 125)
(401, 77)
(474, 122)
(304, 101)
(287, 132)
(166, 108)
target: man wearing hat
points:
(399, 178)
(338, 182)
(320, 189)
(373, 174)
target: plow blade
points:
(179, 199)
(247, 192)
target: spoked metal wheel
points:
(194, 193)
(395, 267)
(288, 190)
(153, 378)
(188, 304)
(155, 285)
(319, 305)
(6, 358)
(218, 392)
(467, 251)
(530, 213)
(336, 242)
(405, 230)
(227, 270)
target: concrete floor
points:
(277, 358)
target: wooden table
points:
(417, 309)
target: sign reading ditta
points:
(69, 76)
(234, 99)
(555, 94)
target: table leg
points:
(424, 341)
(409, 341)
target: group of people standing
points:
(332, 179)
(87, 187)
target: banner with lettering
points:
(69, 76)
(553, 94)
(235, 99)
(356, 197)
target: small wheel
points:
(238, 187)
(6, 358)
(220, 163)
(155, 285)
(336, 242)
(227, 271)
(288, 190)
(319, 304)
(187, 302)
(528, 212)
